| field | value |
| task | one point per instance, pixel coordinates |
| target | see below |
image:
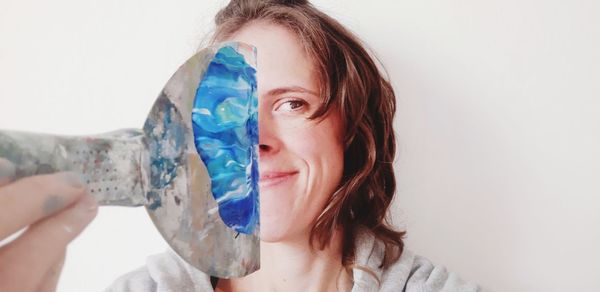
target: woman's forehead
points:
(282, 60)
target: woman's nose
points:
(264, 148)
(268, 143)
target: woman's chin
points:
(267, 239)
(276, 233)
(272, 236)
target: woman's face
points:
(300, 160)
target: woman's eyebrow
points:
(296, 89)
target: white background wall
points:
(498, 121)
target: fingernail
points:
(67, 228)
(72, 179)
(89, 203)
(7, 170)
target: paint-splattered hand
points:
(54, 209)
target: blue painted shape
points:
(225, 125)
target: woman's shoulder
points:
(162, 272)
(138, 280)
(411, 272)
(417, 273)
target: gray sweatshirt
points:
(167, 272)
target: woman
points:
(326, 152)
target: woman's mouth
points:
(273, 178)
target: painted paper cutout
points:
(159, 167)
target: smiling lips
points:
(272, 178)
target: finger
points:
(32, 254)
(7, 172)
(50, 281)
(27, 200)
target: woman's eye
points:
(292, 105)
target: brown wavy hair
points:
(351, 83)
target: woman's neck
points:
(293, 266)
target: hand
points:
(55, 208)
